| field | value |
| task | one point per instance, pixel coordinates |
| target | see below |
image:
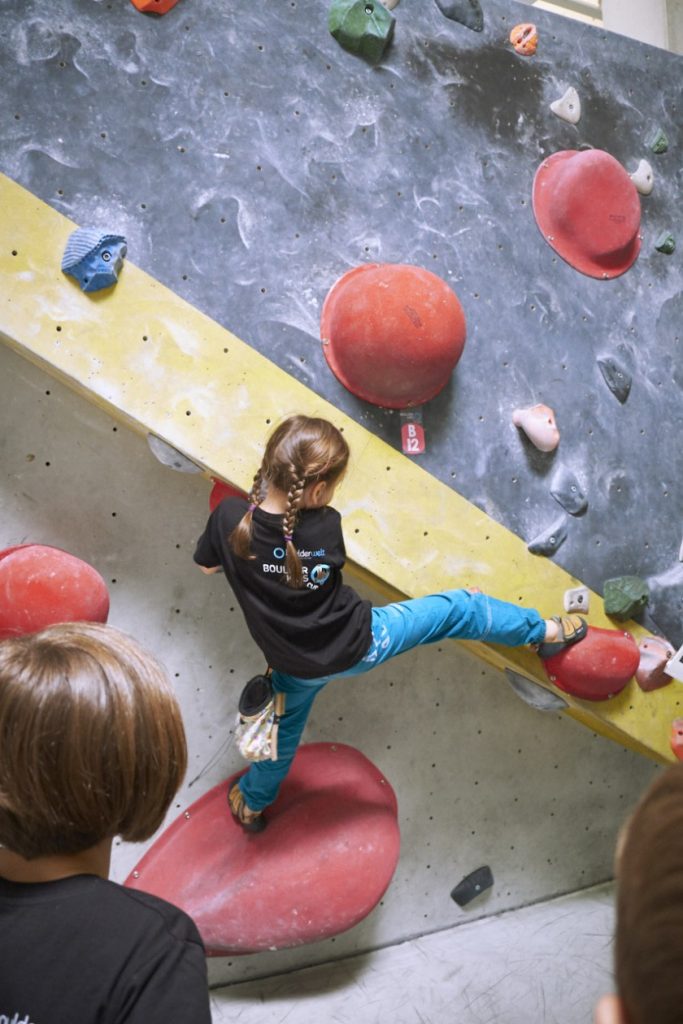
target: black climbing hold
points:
(467, 12)
(566, 490)
(617, 377)
(550, 540)
(472, 885)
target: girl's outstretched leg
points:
(456, 614)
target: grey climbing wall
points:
(250, 161)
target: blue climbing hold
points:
(94, 258)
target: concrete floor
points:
(545, 964)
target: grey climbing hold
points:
(536, 696)
(566, 489)
(568, 107)
(625, 596)
(467, 12)
(617, 377)
(665, 243)
(550, 540)
(658, 141)
(472, 885)
(94, 258)
(170, 456)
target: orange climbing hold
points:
(392, 333)
(596, 668)
(154, 6)
(322, 864)
(41, 585)
(524, 39)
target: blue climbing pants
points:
(395, 628)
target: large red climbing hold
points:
(392, 333)
(326, 857)
(596, 668)
(221, 490)
(587, 208)
(41, 585)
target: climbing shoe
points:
(251, 821)
(571, 629)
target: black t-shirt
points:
(319, 629)
(84, 950)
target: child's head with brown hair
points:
(301, 453)
(92, 743)
(649, 929)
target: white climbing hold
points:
(390, 4)
(577, 599)
(643, 178)
(538, 423)
(568, 107)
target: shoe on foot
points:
(251, 821)
(570, 629)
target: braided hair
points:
(301, 451)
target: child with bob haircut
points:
(91, 746)
(282, 551)
(649, 929)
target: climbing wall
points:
(250, 162)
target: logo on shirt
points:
(320, 574)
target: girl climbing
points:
(282, 551)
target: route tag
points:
(412, 432)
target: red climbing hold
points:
(321, 865)
(392, 333)
(41, 585)
(596, 668)
(587, 208)
(222, 490)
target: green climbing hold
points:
(658, 142)
(665, 243)
(625, 596)
(364, 27)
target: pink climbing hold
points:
(655, 652)
(392, 333)
(42, 585)
(676, 738)
(597, 667)
(324, 861)
(539, 424)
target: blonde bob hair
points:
(92, 743)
